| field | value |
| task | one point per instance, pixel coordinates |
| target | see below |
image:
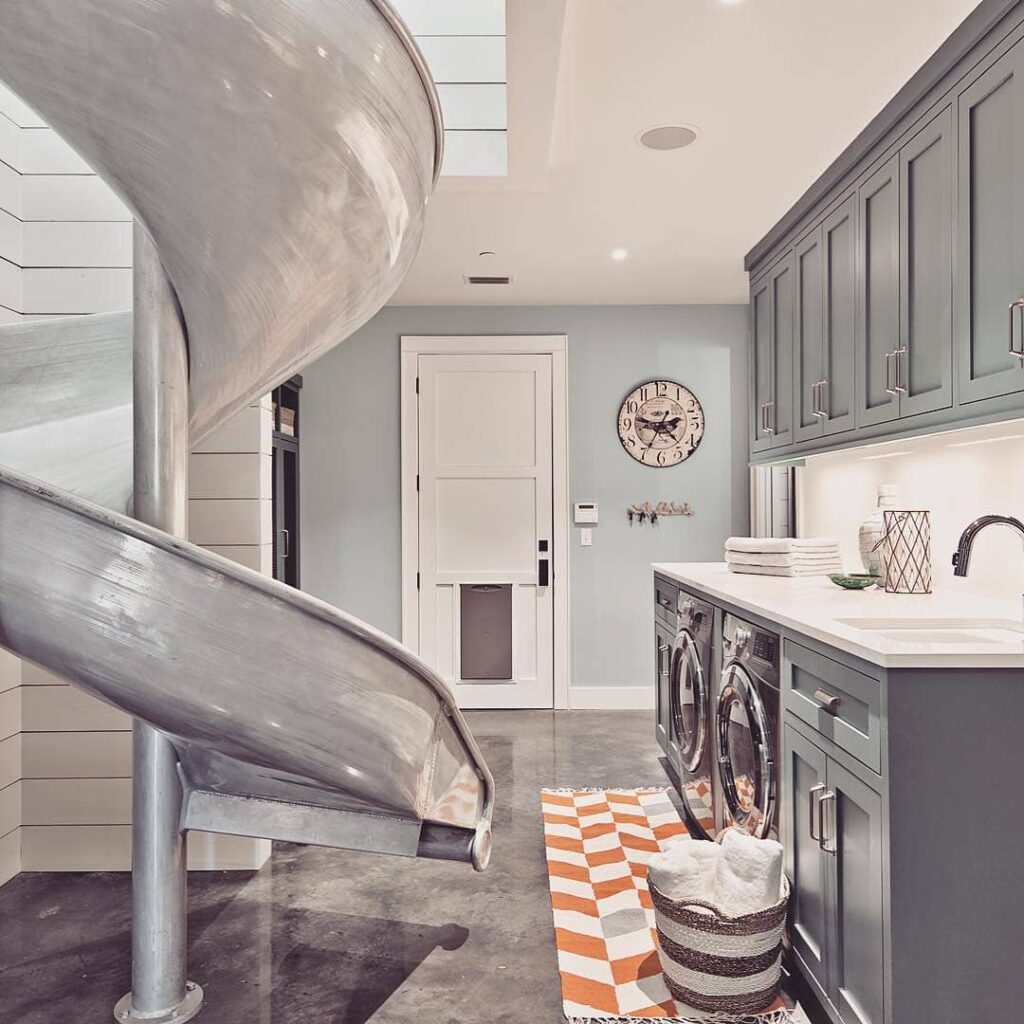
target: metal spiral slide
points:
(277, 156)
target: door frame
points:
(555, 345)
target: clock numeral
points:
(661, 388)
(662, 457)
(626, 423)
(632, 407)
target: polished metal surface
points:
(962, 555)
(280, 157)
(160, 990)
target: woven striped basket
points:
(728, 965)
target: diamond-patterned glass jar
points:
(908, 552)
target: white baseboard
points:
(611, 698)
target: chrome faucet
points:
(962, 555)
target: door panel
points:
(807, 336)
(781, 412)
(485, 526)
(925, 367)
(857, 934)
(804, 770)
(839, 247)
(878, 323)
(990, 233)
(761, 343)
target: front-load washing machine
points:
(747, 729)
(691, 713)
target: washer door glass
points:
(689, 703)
(744, 752)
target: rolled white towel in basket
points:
(748, 874)
(685, 870)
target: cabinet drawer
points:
(666, 597)
(842, 704)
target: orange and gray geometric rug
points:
(598, 843)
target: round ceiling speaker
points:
(667, 136)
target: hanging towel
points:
(748, 874)
(825, 569)
(794, 558)
(685, 870)
(781, 545)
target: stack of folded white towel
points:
(742, 875)
(772, 556)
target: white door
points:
(486, 603)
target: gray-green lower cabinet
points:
(832, 831)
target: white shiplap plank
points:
(10, 143)
(77, 755)
(242, 521)
(10, 856)
(465, 58)
(76, 801)
(11, 192)
(453, 17)
(12, 295)
(71, 197)
(10, 808)
(43, 151)
(11, 712)
(67, 709)
(247, 431)
(249, 555)
(475, 154)
(473, 106)
(68, 290)
(13, 108)
(76, 848)
(11, 760)
(36, 675)
(77, 244)
(242, 475)
(11, 239)
(10, 670)
(209, 852)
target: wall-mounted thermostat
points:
(586, 513)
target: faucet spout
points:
(962, 555)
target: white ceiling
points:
(777, 89)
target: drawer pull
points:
(829, 701)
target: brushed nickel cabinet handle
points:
(1017, 307)
(823, 842)
(812, 810)
(769, 418)
(829, 701)
(890, 377)
(823, 399)
(901, 387)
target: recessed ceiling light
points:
(663, 137)
(619, 254)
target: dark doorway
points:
(285, 454)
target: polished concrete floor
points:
(327, 937)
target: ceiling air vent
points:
(501, 279)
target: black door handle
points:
(543, 564)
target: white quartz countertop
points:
(951, 628)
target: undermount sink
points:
(942, 631)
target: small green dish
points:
(854, 580)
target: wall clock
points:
(661, 423)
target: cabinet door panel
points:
(926, 269)
(878, 323)
(761, 371)
(781, 412)
(855, 945)
(806, 863)
(839, 244)
(990, 271)
(807, 335)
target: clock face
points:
(661, 423)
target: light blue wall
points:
(351, 497)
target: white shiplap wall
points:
(65, 758)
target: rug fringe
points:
(565, 790)
(775, 1017)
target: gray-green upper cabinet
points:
(923, 365)
(990, 235)
(771, 304)
(825, 324)
(808, 326)
(878, 320)
(761, 371)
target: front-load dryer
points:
(747, 729)
(691, 713)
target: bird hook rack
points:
(647, 512)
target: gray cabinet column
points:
(839, 246)
(761, 370)
(924, 367)
(808, 327)
(878, 319)
(990, 228)
(781, 410)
